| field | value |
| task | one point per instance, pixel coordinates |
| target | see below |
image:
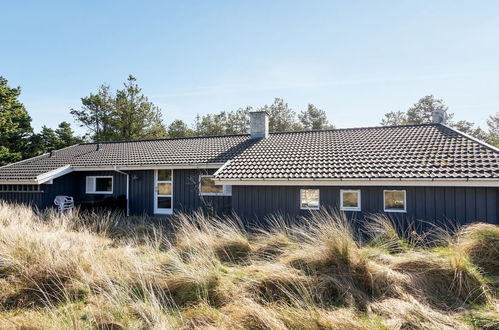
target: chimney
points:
(439, 116)
(259, 124)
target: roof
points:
(430, 151)
(197, 150)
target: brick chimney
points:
(259, 124)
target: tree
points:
(210, 125)
(420, 113)
(179, 129)
(281, 117)
(96, 114)
(126, 115)
(66, 135)
(238, 121)
(15, 126)
(394, 118)
(134, 117)
(314, 118)
(493, 125)
(48, 139)
(469, 128)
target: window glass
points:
(99, 185)
(103, 184)
(164, 175)
(208, 186)
(395, 200)
(350, 200)
(164, 188)
(164, 202)
(309, 198)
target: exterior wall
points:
(433, 204)
(186, 196)
(254, 203)
(72, 184)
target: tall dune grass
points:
(103, 271)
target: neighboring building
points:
(427, 172)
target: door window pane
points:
(164, 175)
(164, 188)
(309, 198)
(164, 202)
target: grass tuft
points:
(104, 271)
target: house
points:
(429, 172)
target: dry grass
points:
(101, 271)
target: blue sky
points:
(354, 59)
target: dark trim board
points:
(438, 205)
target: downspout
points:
(127, 189)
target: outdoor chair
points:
(64, 203)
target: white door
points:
(163, 191)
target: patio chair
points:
(64, 203)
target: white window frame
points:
(395, 210)
(310, 207)
(158, 210)
(350, 208)
(95, 177)
(227, 189)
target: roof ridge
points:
(271, 133)
(165, 139)
(483, 143)
(356, 128)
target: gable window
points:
(309, 199)
(208, 187)
(394, 200)
(350, 200)
(99, 185)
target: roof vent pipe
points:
(439, 116)
(259, 124)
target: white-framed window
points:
(208, 187)
(309, 199)
(99, 185)
(394, 201)
(350, 200)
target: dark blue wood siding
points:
(434, 204)
(141, 192)
(186, 197)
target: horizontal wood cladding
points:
(438, 205)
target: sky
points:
(355, 59)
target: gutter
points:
(115, 168)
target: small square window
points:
(394, 201)
(309, 199)
(350, 200)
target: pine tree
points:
(15, 126)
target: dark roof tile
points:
(393, 152)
